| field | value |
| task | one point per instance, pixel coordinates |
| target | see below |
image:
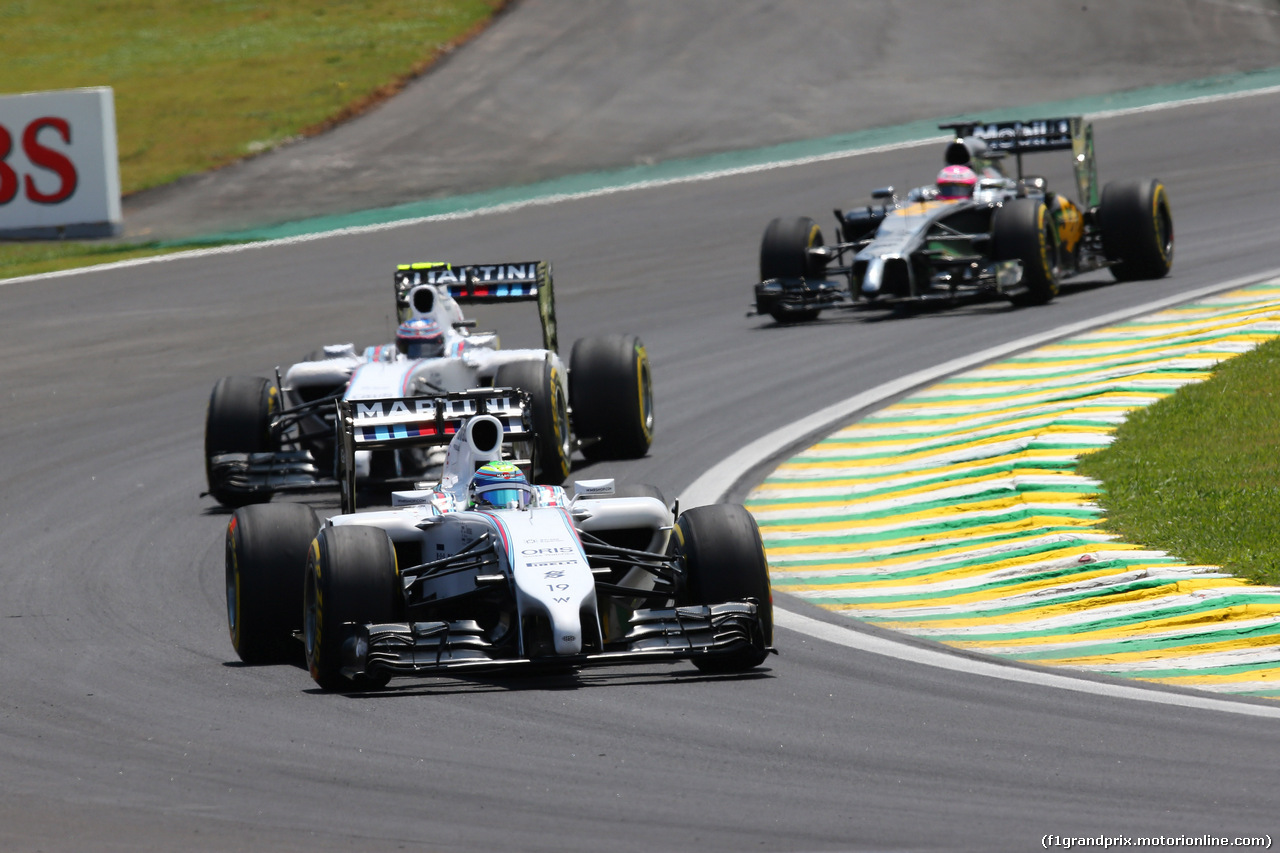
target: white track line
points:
(849, 638)
(602, 191)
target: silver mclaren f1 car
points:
(988, 234)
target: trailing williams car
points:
(484, 570)
(977, 233)
(262, 438)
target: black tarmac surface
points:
(126, 724)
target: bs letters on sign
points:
(59, 175)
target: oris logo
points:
(549, 551)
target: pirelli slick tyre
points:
(238, 420)
(266, 556)
(723, 557)
(1136, 224)
(553, 441)
(611, 392)
(351, 576)
(784, 254)
(1023, 230)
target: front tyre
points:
(351, 577)
(1023, 230)
(552, 440)
(266, 557)
(724, 560)
(784, 254)
(1136, 224)
(238, 420)
(611, 391)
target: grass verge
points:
(19, 259)
(1198, 474)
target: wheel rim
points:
(1164, 230)
(646, 390)
(310, 620)
(815, 239)
(269, 416)
(232, 581)
(233, 605)
(1055, 265)
(562, 421)
(1051, 250)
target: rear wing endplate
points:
(397, 422)
(1071, 133)
(528, 281)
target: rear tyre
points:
(724, 560)
(784, 255)
(1024, 231)
(266, 558)
(552, 440)
(1136, 224)
(611, 391)
(351, 577)
(238, 420)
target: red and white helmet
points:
(956, 182)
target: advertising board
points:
(59, 174)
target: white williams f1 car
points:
(484, 570)
(976, 234)
(262, 437)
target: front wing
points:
(260, 475)
(432, 648)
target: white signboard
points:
(59, 176)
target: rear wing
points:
(1034, 136)
(529, 281)
(396, 422)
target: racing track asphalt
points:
(125, 723)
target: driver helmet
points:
(420, 338)
(499, 484)
(956, 182)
